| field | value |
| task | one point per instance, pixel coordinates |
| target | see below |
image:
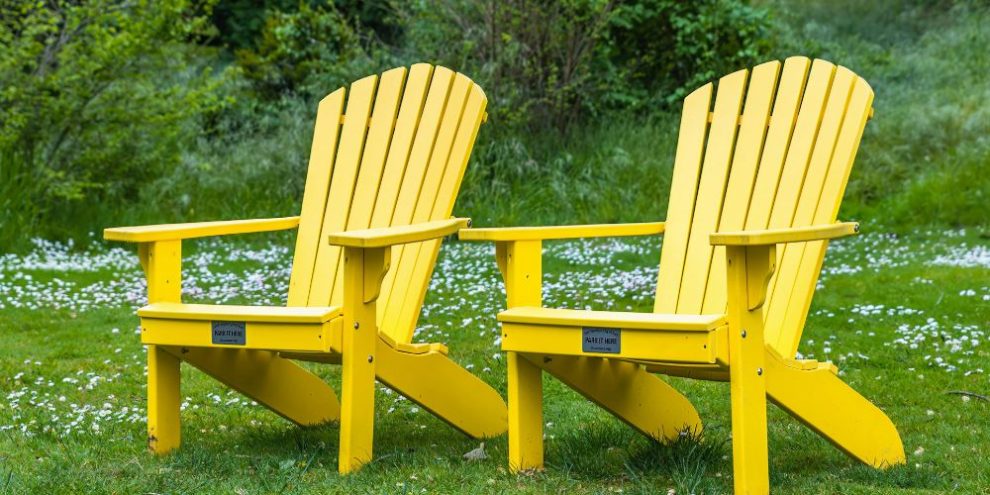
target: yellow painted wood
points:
(627, 320)
(802, 144)
(407, 124)
(683, 191)
(747, 369)
(381, 126)
(177, 231)
(386, 173)
(625, 389)
(521, 264)
(315, 337)
(746, 195)
(163, 401)
(177, 311)
(738, 191)
(276, 383)
(360, 336)
(435, 382)
(412, 180)
(810, 194)
(785, 110)
(162, 264)
(835, 411)
(460, 151)
(525, 394)
(799, 152)
(678, 346)
(402, 234)
(711, 190)
(464, 138)
(806, 278)
(411, 275)
(785, 235)
(314, 203)
(406, 127)
(340, 196)
(561, 232)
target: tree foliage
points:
(96, 98)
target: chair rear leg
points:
(442, 387)
(628, 391)
(525, 391)
(830, 407)
(163, 401)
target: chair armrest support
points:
(562, 232)
(784, 235)
(402, 234)
(178, 231)
(160, 248)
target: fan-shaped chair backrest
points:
(774, 151)
(395, 156)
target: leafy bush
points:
(96, 98)
(662, 49)
(552, 64)
(312, 50)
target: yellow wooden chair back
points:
(774, 151)
(394, 156)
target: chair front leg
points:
(749, 270)
(525, 401)
(521, 265)
(163, 401)
(162, 263)
(363, 272)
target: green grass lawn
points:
(906, 319)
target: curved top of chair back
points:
(774, 151)
(394, 155)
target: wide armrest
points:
(561, 232)
(400, 234)
(176, 231)
(784, 235)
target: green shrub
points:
(311, 50)
(549, 65)
(96, 99)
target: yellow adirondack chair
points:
(753, 202)
(382, 179)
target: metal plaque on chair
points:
(229, 332)
(601, 340)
